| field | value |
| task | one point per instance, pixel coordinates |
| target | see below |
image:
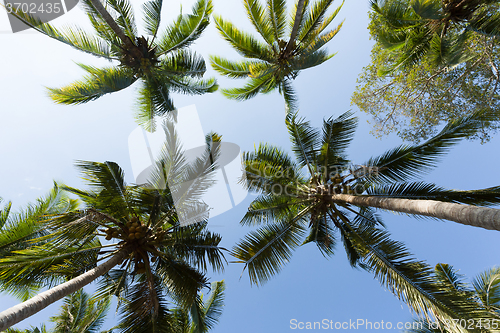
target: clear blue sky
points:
(40, 142)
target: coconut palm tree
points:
(152, 256)
(20, 230)
(334, 197)
(276, 62)
(162, 62)
(78, 314)
(437, 29)
(484, 291)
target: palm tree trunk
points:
(26, 309)
(483, 217)
(296, 23)
(116, 29)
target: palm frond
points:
(322, 234)
(266, 250)
(315, 22)
(125, 19)
(305, 141)
(244, 43)
(213, 305)
(277, 13)
(260, 20)
(411, 281)
(405, 162)
(102, 29)
(182, 62)
(199, 248)
(71, 36)
(273, 207)
(487, 287)
(154, 100)
(269, 165)
(152, 16)
(425, 191)
(145, 309)
(101, 81)
(337, 135)
(108, 180)
(186, 29)
(192, 86)
(232, 69)
(253, 87)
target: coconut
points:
(138, 235)
(131, 236)
(115, 234)
(132, 229)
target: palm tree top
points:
(306, 200)
(277, 61)
(153, 256)
(162, 62)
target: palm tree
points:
(78, 314)
(20, 230)
(334, 197)
(162, 63)
(438, 29)
(483, 291)
(275, 63)
(152, 256)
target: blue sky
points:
(40, 142)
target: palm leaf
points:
(253, 87)
(405, 162)
(425, 191)
(266, 250)
(232, 69)
(101, 81)
(125, 19)
(152, 16)
(74, 37)
(277, 13)
(244, 43)
(260, 20)
(305, 141)
(186, 29)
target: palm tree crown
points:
(154, 257)
(297, 208)
(438, 30)
(276, 62)
(162, 62)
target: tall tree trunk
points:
(26, 309)
(296, 23)
(483, 217)
(117, 30)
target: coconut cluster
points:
(142, 238)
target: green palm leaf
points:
(266, 250)
(152, 16)
(186, 29)
(98, 83)
(405, 162)
(260, 20)
(244, 43)
(277, 13)
(125, 19)
(74, 37)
